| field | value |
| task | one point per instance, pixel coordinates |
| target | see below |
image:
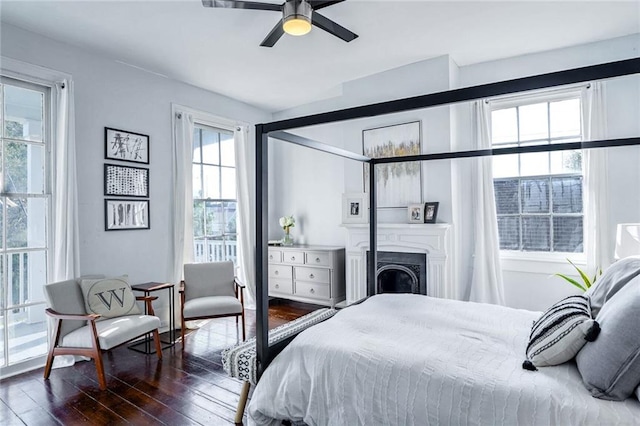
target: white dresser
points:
(312, 274)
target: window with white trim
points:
(214, 195)
(539, 196)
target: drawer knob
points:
(277, 285)
(277, 272)
(318, 259)
(311, 276)
(293, 258)
(271, 257)
(312, 291)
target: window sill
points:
(541, 263)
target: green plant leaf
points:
(584, 276)
(572, 281)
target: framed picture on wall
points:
(398, 184)
(122, 145)
(431, 212)
(120, 214)
(126, 181)
(355, 208)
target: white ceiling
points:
(218, 49)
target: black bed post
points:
(373, 229)
(262, 230)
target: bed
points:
(403, 359)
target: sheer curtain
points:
(246, 211)
(182, 171)
(486, 280)
(597, 233)
(66, 258)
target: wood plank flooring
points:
(185, 388)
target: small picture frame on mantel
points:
(415, 213)
(431, 212)
(355, 207)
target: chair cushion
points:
(112, 331)
(109, 297)
(239, 361)
(211, 306)
(610, 366)
(208, 279)
(612, 280)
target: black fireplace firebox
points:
(400, 272)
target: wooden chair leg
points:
(182, 327)
(244, 331)
(242, 403)
(102, 380)
(54, 344)
(156, 339)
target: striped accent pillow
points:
(559, 334)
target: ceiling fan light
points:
(297, 17)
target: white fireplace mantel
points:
(435, 240)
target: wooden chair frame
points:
(95, 352)
(238, 288)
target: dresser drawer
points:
(316, 290)
(281, 271)
(280, 286)
(275, 256)
(318, 258)
(296, 257)
(312, 274)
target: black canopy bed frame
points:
(277, 130)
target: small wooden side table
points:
(147, 289)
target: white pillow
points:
(559, 334)
(109, 297)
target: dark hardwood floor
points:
(185, 388)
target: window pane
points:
(567, 234)
(504, 125)
(231, 248)
(211, 181)
(567, 194)
(227, 150)
(197, 182)
(506, 192)
(534, 194)
(26, 220)
(24, 168)
(536, 233)
(534, 164)
(565, 118)
(210, 146)
(27, 333)
(198, 219)
(505, 165)
(23, 113)
(228, 183)
(509, 232)
(214, 218)
(566, 161)
(533, 122)
(230, 217)
(197, 148)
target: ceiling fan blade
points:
(331, 27)
(317, 4)
(273, 36)
(232, 4)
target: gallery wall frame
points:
(399, 184)
(126, 181)
(122, 145)
(355, 207)
(125, 214)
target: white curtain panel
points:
(66, 257)
(597, 232)
(246, 212)
(182, 172)
(486, 280)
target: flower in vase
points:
(287, 222)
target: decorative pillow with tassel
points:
(559, 334)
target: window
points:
(539, 196)
(25, 200)
(214, 195)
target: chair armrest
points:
(148, 300)
(181, 288)
(239, 283)
(76, 317)
(241, 286)
(146, 297)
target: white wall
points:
(111, 94)
(528, 285)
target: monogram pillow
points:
(109, 297)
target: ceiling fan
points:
(297, 17)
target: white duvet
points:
(401, 359)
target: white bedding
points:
(401, 359)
